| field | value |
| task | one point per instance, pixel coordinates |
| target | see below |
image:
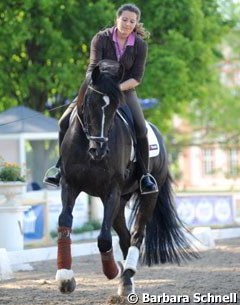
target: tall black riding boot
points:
(148, 183)
(54, 179)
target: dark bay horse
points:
(96, 159)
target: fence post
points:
(5, 265)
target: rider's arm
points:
(129, 84)
(96, 52)
(138, 68)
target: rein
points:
(34, 115)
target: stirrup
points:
(53, 179)
(154, 185)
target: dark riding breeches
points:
(136, 110)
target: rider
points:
(125, 43)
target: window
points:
(233, 162)
(208, 165)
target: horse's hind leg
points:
(146, 208)
(64, 273)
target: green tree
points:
(182, 54)
(44, 48)
(219, 112)
(216, 114)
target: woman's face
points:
(126, 23)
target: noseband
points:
(102, 138)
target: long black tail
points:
(165, 240)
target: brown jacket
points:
(133, 59)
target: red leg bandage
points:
(110, 268)
(64, 258)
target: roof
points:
(25, 120)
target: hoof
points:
(116, 299)
(67, 286)
(126, 286)
(124, 291)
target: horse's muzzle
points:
(97, 151)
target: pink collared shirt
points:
(129, 42)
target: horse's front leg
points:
(111, 206)
(64, 274)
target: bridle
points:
(84, 123)
(93, 89)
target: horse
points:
(96, 159)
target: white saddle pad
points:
(154, 148)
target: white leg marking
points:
(64, 275)
(132, 259)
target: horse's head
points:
(101, 101)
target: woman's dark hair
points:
(139, 29)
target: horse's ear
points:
(95, 74)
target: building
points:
(28, 138)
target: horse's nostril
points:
(92, 152)
(97, 154)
